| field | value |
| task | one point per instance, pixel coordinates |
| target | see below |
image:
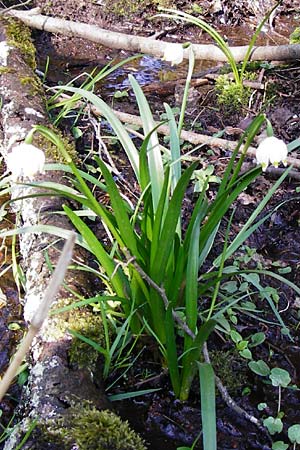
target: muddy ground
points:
(163, 421)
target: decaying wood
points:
(150, 46)
(53, 381)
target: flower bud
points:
(271, 150)
(173, 53)
(25, 160)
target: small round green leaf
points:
(246, 353)
(261, 406)
(257, 339)
(280, 377)
(294, 433)
(259, 367)
(279, 445)
(242, 345)
(233, 319)
(235, 336)
(273, 425)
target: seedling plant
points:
(153, 264)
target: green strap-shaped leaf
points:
(160, 259)
(118, 280)
(155, 163)
(126, 230)
(189, 368)
(208, 406)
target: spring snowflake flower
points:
(25, 160)
(173, 53)
(271, 151)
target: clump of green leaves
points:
(203, 177)
(295, 36)
(231, 96)
(152, 281)
(158, 285)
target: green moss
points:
(231, 96)
(231, 369)
(295, 36)
(90, 326)
(5, 69)
(88, 428)
(127, 8)
(34, 83)
(19, 35)
(51, 151)
(120, 8)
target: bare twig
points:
(4, 11)
(40, 315)
(188, 136)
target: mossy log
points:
(55, 384)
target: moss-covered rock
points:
(90, 429)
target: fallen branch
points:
(191, 137)
(187, 136)
(146, 45)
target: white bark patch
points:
(33, 112)
(4, 53)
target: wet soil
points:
(163, 421)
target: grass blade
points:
(125, 228)
(208, 406)
(116, 124)
(155, 163)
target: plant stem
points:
(279, 399)
(186, 89)
(161, 292)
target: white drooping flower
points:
(173, 53)
(271, 151)
(25, 160)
